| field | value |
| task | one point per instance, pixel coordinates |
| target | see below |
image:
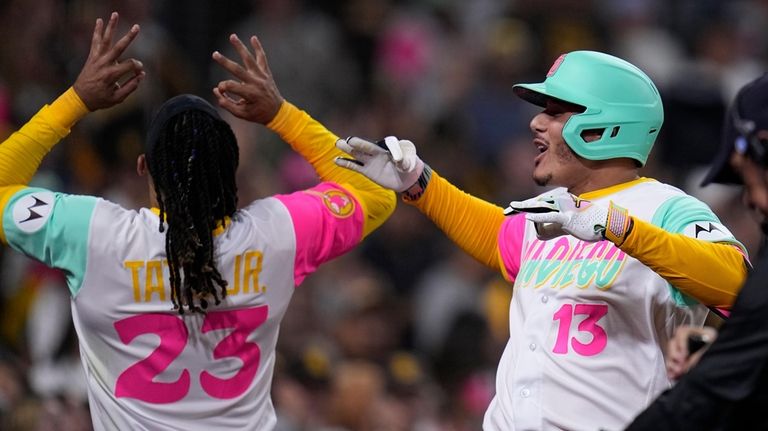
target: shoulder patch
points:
(708, 231)
(337, 202)
(31, 212)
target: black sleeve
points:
(729, 374)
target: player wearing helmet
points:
(604, 267)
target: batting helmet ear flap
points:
(619, 98)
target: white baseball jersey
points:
(587, 321)
(149, 368)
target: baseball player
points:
(139, 280)
(604, 266)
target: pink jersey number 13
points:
(593, 313)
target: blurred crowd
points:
(405, 332)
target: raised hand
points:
(105, 80)
(253, 95)
(390, 163)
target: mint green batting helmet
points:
(617, 96)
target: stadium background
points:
(405, 332)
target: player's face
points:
(556, 164)
(755, 192)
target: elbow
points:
(729, 289)
(379, 211)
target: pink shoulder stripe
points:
(511, 237)
(328, 222)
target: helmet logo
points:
(556, 65)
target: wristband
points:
(618, 224)
(415, 191)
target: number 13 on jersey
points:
(592, 313)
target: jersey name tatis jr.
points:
(147, 277)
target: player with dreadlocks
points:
(149, 364)
(192, 155)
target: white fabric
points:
(587, 325)
(114, 293)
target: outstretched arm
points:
(96, 87)
(712, 272)
(253, 96)
(472, 223)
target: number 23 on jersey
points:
(137, 381)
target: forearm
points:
(711, 272)
(317, 145)
(22, 153)
(472, 223)
(312, 141)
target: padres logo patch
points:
(338, 202)
(32, 211)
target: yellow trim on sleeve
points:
(503, 267)
(6, 193)
(713, 273)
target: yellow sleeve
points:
(22, 152)
(6, 193)
(711, 272)
(472, 223)
(317, 145)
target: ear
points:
(141, 165)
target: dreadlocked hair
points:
(193, 165)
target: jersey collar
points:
(221, 225)
(597, 194)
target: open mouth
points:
(541, 147)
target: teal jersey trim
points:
(52, 228)
(673, 216)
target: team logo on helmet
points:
(32, 211)
(556, 65)
(338, 202)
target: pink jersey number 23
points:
(137, 381)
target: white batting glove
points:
(390, 163)
(563, 213)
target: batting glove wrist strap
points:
(562, 213)
(618, 224)
(417, 189)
